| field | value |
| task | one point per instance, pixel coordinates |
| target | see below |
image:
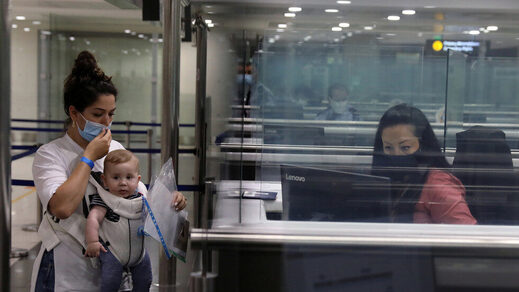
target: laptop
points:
(312, 194)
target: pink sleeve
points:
(443, 198)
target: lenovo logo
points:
(295, 177)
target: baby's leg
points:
(111, 272)
(141, 275)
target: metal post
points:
(170, 103)
(5, 147)
(149, 140)
(43, 85)
(128, 125)
(200, 124)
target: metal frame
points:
(5, 152)
(170, 112)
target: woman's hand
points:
(99, 147)
(179, 201)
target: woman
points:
(423, 190)
(61, 170)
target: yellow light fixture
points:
(437, 46)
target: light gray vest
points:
(122, 236)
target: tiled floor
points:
(23, 213)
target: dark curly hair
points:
(86, 83)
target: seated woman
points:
(422, 188)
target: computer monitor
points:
(312, 194)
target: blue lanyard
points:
(157, 227)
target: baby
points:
(122, 248)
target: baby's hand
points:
(93, 248)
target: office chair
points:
(483, 162)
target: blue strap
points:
(88, 161)
(156, 227)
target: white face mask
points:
(338, 107)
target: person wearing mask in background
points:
(422, 188)
(338, 107)
(61, 171)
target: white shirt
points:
(53, 164)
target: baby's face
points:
(122, 179)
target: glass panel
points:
(319, 107)
(482, 126)
(455, 96)
(228, 90)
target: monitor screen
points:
(312, 194)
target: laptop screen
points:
(312, 194)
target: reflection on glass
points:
(422, 188)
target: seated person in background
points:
(338, 107)
(422, 188)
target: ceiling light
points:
(71, 38)
(379, 38)
(20, 17)
(280, 30)
(36, 22)
(331, 10)
(208, 21)
(45, 32)
(486, 31)
(343, 2)
(408, 12)
(390, 34)
(277, 37)
(282, 25)
(210, 25)
(133, 33)
(127, 31)
(429, 7)
(344, 24)
(26, 29)
(492, 28)
(481, 29)
(295, 9)
(474, 32)
(271, 40)
(393, 17)
(349, 33)
(307, 38)
(290, 14)
(140, 36)
(161, 40)
(14, 25)
(368, 27)
(336, 28)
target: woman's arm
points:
(444, 197)
(69, 195)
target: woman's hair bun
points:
(85, 68)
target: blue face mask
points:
(92, 129)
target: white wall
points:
(24, 81)
(24, 73)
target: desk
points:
(230, 189)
